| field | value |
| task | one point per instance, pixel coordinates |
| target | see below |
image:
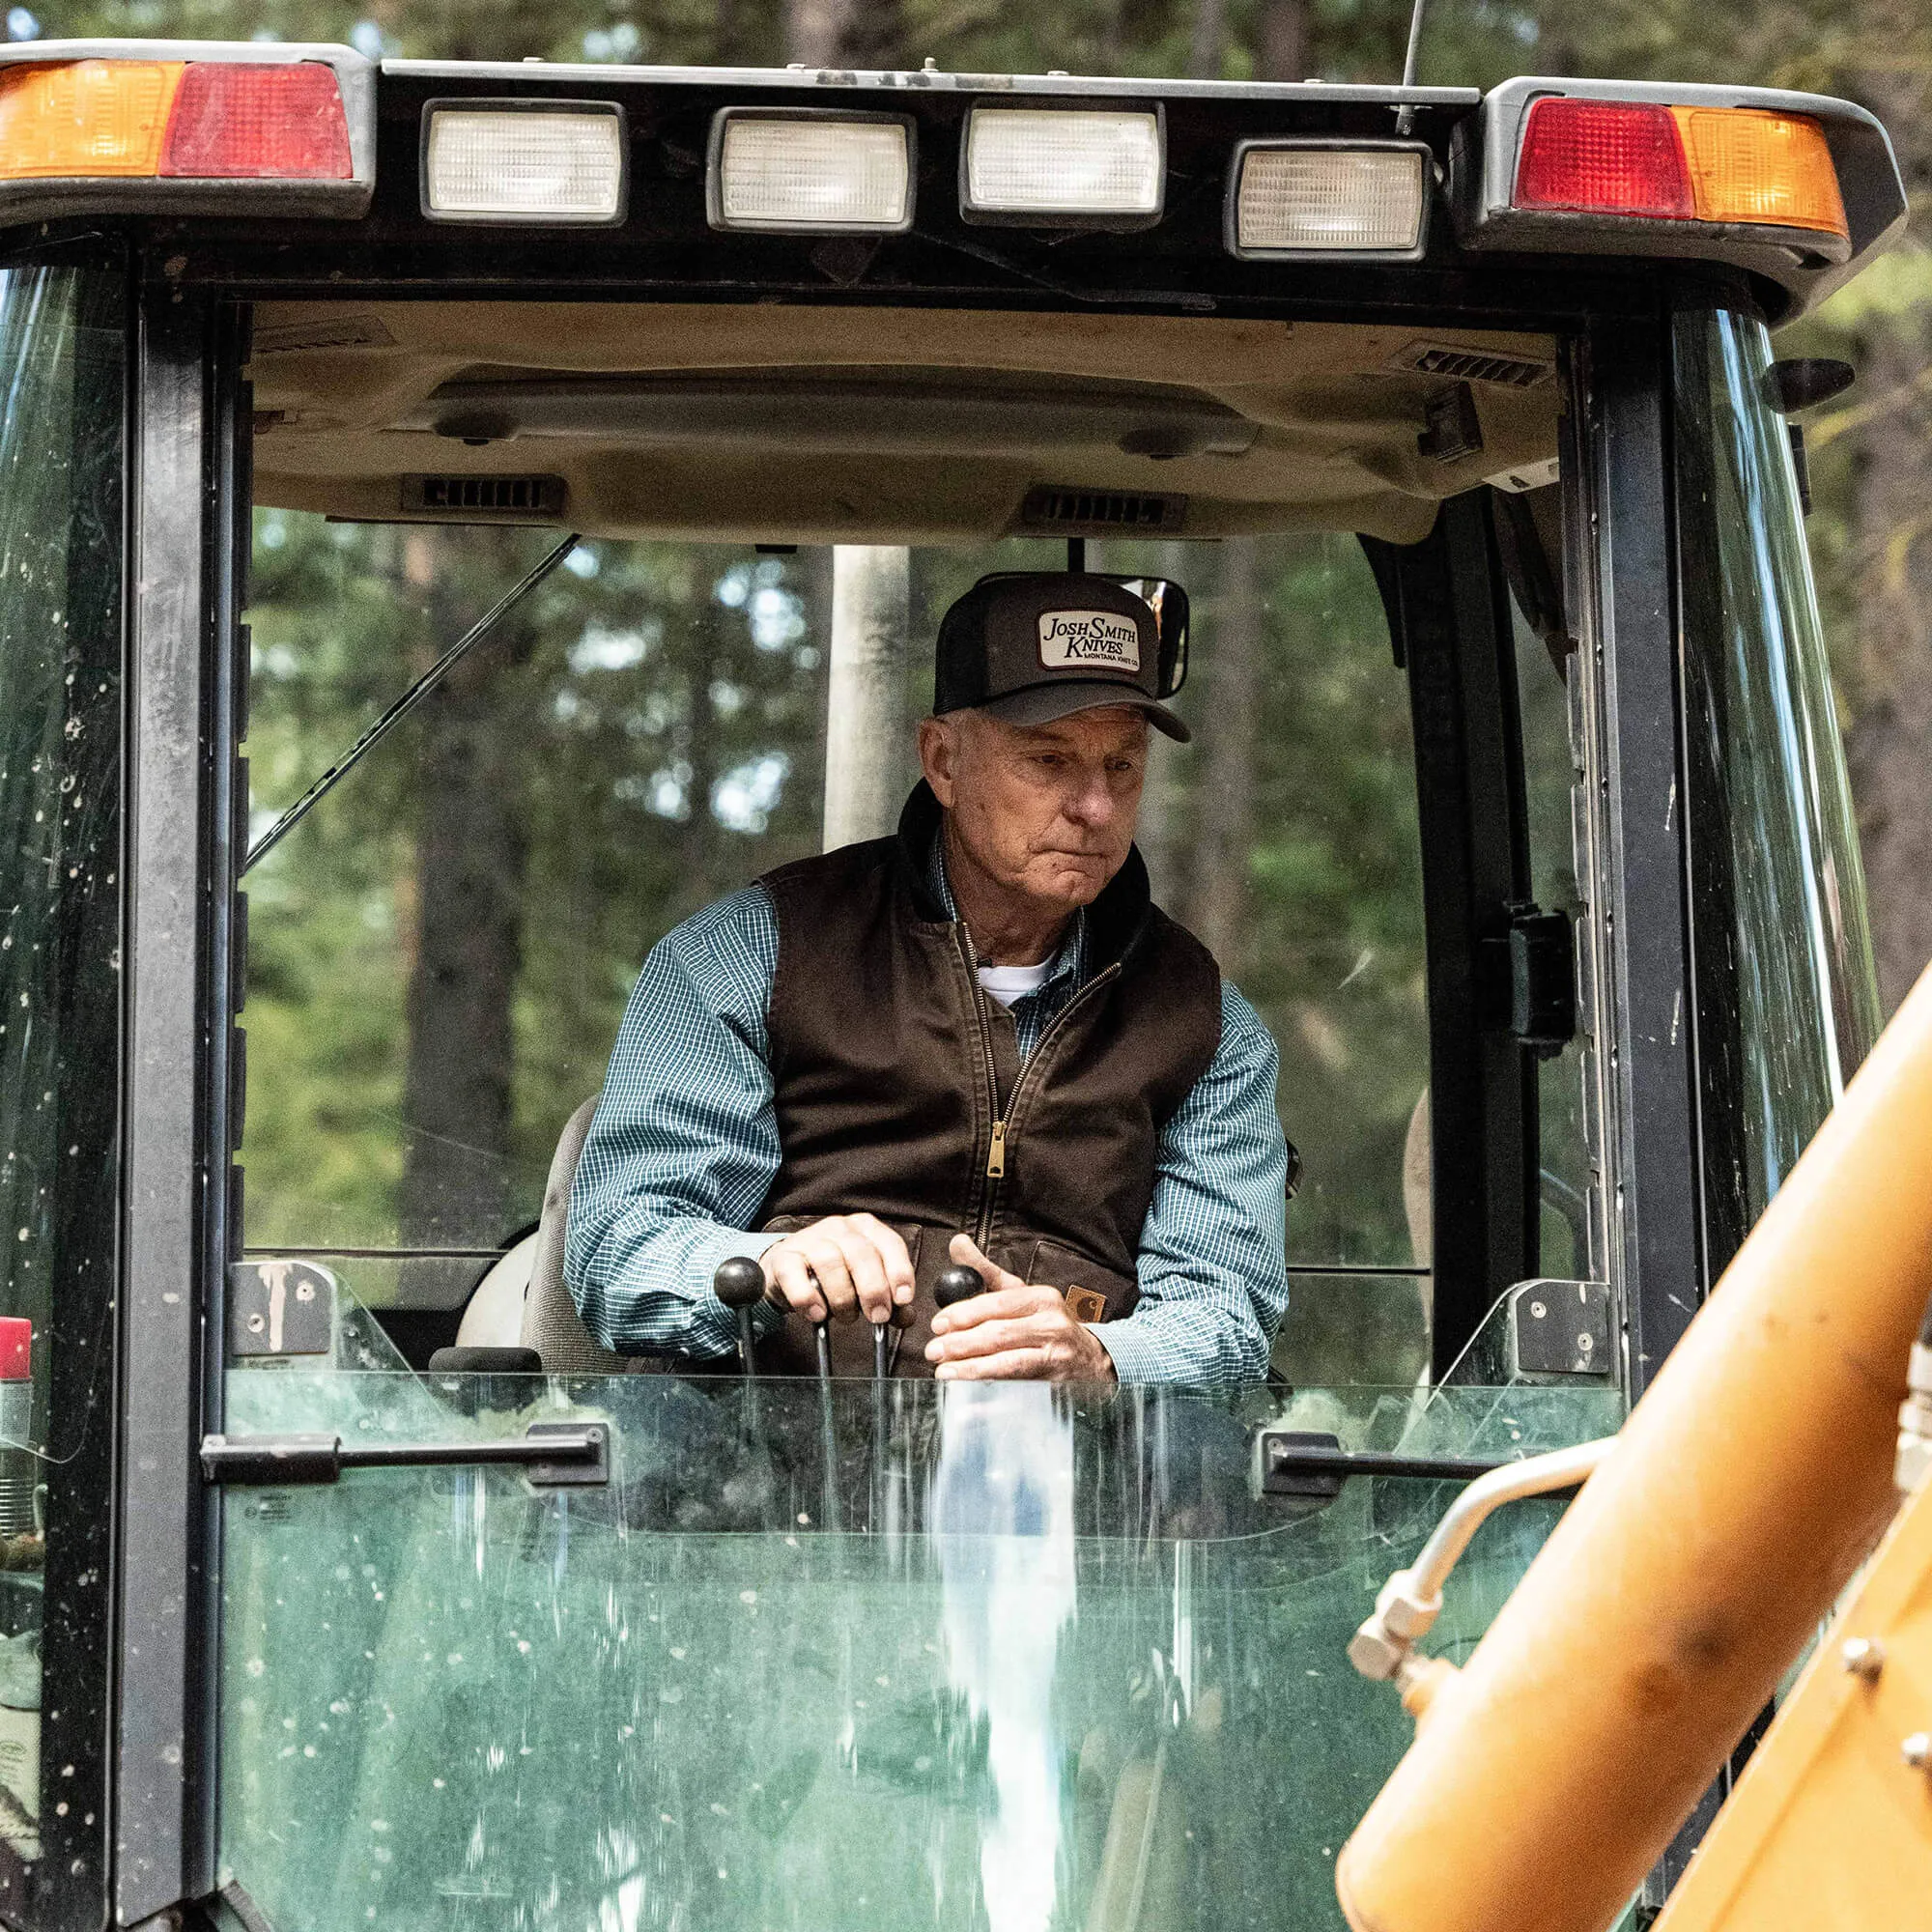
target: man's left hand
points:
(1014, 1332)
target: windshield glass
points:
(1787, 1000)
(892, 1656)
(63, 366)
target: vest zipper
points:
(996, 1156)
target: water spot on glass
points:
(748, 1596)
(665, 1818)
(454, 1657)
(523, 1646)
(671, 1694)
(677, 1651)
(884, 1682)
(340, 1706)
(308, 1750)
(60, 1810)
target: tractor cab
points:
(458, 520)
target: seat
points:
(551, 1325)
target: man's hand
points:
(1014, 1332)
(843, 1266)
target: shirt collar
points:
(1070, 961)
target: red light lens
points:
(235, 122)
(1604, 157)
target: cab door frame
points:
(187, 514)
(1633, 855)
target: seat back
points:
(551, 1325)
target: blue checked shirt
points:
(685, 1146)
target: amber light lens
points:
(1771, 169)
(84, 118)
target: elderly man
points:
(977, 1042)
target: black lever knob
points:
(740, 1284)
(957, 1282)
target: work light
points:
(523, 161)
(809, 171)
(1064, 166)
(1295, 199)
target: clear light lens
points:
(525, 166)
(790, 173)
(1326, 200)
(1027, 161)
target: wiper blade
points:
(406, 703)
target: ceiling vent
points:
(1051, 510)
(1472, 365)
(348, 331)
(484, 499)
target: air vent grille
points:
(1054, 510)
(1472, 365)
(484, 499)
(348, 332)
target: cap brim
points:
(1045, 702)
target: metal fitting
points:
(1863, 1656)
(1375, 1654)
(1913, 1463)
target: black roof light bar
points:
(1795, 188)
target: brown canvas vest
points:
(899, 1090)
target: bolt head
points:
(1917, 1750)
(1863, 1656)
(255, 1323)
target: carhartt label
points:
(1103, 638)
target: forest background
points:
(510, 986)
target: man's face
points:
(1045, 810)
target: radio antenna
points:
(1404, 115)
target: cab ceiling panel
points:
(782, 424)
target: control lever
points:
(957, 1282)
(740, 1285)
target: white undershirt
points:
(1007, 984)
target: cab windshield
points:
(888, 1654)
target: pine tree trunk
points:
(1891, 739)
(471, 853)
(1224, 761)
(1281, 50)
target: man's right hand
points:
(843, 1266)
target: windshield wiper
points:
(406, 703)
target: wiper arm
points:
(406, 703)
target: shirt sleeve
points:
(684, 1145)
(1213, 1275)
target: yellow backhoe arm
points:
(1548, 1774)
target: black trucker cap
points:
(1031, 646)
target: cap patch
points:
(1101, 638)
